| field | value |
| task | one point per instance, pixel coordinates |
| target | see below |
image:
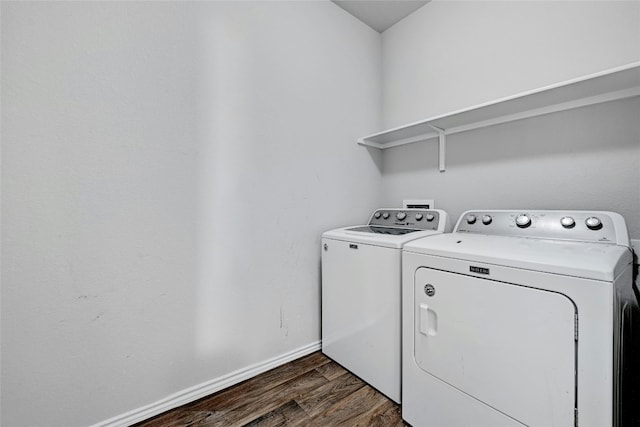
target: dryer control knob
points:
(401, 215)
(418, 217)
(385, 215)
(430, 217)
(593, 223)
(523, 221)
(486, 219)
(471, 219)
(377, 215)
(567, 222)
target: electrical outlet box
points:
(418, 204)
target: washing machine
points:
(514, 319)
(361, 295)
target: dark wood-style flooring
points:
(310, 391)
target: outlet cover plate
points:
(418, 203)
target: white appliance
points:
(361, 277)
(514, 319)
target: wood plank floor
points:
(310, 391)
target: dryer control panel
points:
(590, 226)
(418, 219)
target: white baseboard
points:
(201, 390)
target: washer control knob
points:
(418, 217)
(385, 215)
(377, 215)
(523, 221)
(430, 217)
(568, 222)
(471, 219)
(401, 215)
(486, 219)
(593, 223)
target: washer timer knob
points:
(486, 219)
(401, 215)
(567, 222)
(377, 215)
(418, 217)
(385, 215)
(593, 223)
(523, 221)
(430, 217)
(471, 219)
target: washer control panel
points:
(595, 226)
(419, 219)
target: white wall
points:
(167, 169)
(454, 54)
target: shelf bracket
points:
(442, 143)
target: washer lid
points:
(394, 231)
(362, 234)
(596, 261)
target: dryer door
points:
(511, 347)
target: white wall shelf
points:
(610, 85)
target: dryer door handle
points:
(428, 321)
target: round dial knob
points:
(593, 223)
(523, 221)
(385, 215)
(471, 219)
(430, 217)
(377, 215)
(567, 222)
(401, 215)
(418, 217)
(486, 219)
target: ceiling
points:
(380, 14)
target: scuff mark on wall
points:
(283, 324)
(98, 316)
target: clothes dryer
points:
(514, 319)
(361, 278)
